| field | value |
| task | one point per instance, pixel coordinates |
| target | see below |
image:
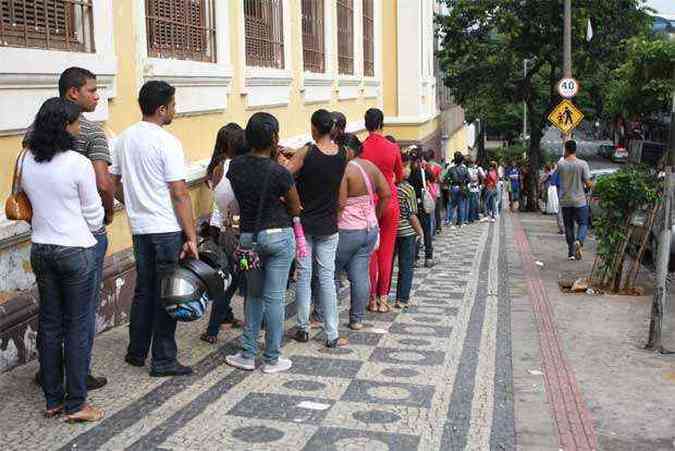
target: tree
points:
(484, 44)
(644, 83)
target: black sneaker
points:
(95, 382)
(429, 263)
(179, 370)
(134, 361)
(301, 336)
(36, 379)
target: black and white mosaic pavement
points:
(434, 377)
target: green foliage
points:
(484, 44)
(621, 195)
(644, 83)
(503, 155)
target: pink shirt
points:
(359, 213)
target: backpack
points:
(457, 176)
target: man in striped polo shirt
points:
(79, 86)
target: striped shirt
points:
(91, 142)
(408, 207)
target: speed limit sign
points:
(568, 87)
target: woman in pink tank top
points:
(358, 225)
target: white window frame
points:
(201, 87)
(30, 76)
(316, 87)
(349, 87)
(372, 85)
(266, 87)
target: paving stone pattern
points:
(420, 379)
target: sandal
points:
(51, 413)
(88, 414)
(373, 305)
(210, 339)
(384, 305)
(339, 342)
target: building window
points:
(264, 33)
(313, 51)
(47, 24)
(368, 41)
(345, 18)
(181, 29)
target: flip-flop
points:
(210, 339)
(384, 307)
(51, 413)
(88, 414)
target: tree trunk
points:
(533, 164)
(481, 153)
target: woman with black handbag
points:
(267, 243)
(61, 186)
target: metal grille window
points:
(313, 51)
(345, 16)
(47, 24)
(181, 29)
(368, 41)
(264, 33)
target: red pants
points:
(382, 260)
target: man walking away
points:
(149, 162)
(79, 86)
(575, 175)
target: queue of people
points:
(338, 205)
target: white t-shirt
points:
(66, 204)
(147, 158)
(224, 199)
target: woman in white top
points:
(230, 141)
(61, 186)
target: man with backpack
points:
(457, 178)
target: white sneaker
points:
(281, 365)
(452, 227)
(484, 219)
(493, 220)
(241, 362)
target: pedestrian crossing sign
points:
(566, 116)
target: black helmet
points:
(186, 290)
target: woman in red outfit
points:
(387, 157)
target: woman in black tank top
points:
(319, 169)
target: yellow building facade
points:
(372, 53)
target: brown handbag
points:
(17, 205)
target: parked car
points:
(619, 155)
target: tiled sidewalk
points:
(437, 376)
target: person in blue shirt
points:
(514, 177)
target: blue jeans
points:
(221, 308)
(472, 207)
(265, 291)
(99, 254)
(353, 255)
(427, 241)
(66, 279)
(149, 324)
(405, 248)
(457, 206)
(572, 216)
(491, 203)
(322, 250)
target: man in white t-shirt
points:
(149, 164)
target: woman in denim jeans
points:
(357, 225)
(267, 199)
(61, 186)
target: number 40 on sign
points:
(568, 87)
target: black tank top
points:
(318, 185)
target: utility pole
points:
(567, 51)
(525, 61)
(662, 324)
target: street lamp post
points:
(525, 61)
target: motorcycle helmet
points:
(186, 290)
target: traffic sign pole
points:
(567, 51)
